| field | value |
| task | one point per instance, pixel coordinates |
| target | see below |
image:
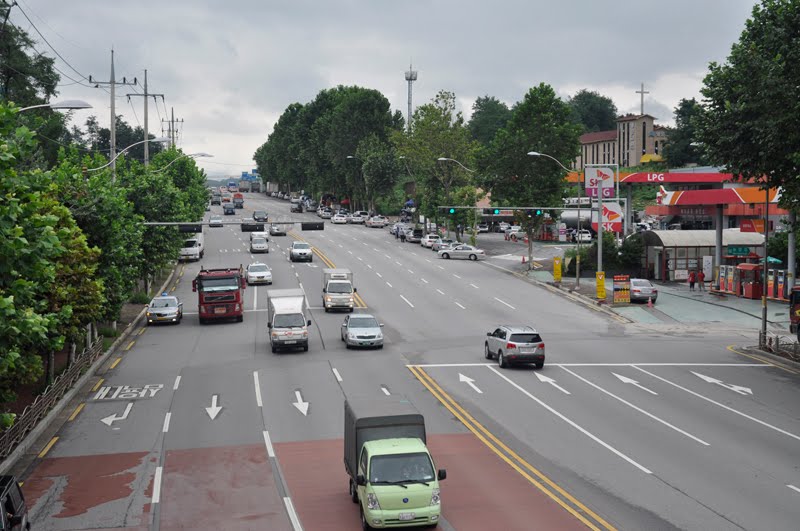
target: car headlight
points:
(436, 497)
(379, 336)
(372, 502)
(149, 314)
(351, 335)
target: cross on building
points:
(642, 92)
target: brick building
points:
(635, 140)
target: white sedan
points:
(339, 219)
(376, 222)
(258, 273)
(462, 251)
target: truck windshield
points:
(190, 243)
(289, 320)
(401, 468)
(339, 287)
(219, 284)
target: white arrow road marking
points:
(301, 406)
(571, 422)
(547, 379)
(640, 410)
(336, 373)
(625, 379)
(735, 388)
(723, 406)
(214, 410)
(109, 420)
(470, 382)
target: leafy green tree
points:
(751, 114)
(593, 111)
(488, 116)
(468, 219)
(682, 147)
(541, 122)
(99, 138)
(26, 76)
(187, 177)
(379, 167)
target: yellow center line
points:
(116, 362)
(47, 448)
(762, 360)
(97, 385)
(142, 331)
(77, 410)
(329, 263)
(493, 443)
(130, 345)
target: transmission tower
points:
(411, 76)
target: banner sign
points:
(600, 279)
(557, 269)
(597, 176)
(622, 289)
(612, 217)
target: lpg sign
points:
(595, 177)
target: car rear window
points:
(525, 338)
(641, 283)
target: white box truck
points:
(337, 289)
(193, 247)
(287, 323)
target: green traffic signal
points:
(539, 212)
(452, 210)
(496, 211)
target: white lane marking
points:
(292, 514)
(571, 423)
(360, 259)
(398, 263)
(342, 246)
(364, 243)
(440, 291)
(387, 256)
(165, 429)
(474, 286)
(379, 275)
(457, 304)
(296, 274)
(255, 297)
(440, 267)
(640, 410)
(388, 284)
(336, 373)
(385, 391)
(301, 286)
(723, 406)
(793, 488)
(456, 275)
(425, 281)
(157, 486)
(369, 266)
(428, 261)
(177, 383)
(258, 389)
(351, 252)
(503, 302)
(407, 301)
(410, 271)
(268, 444)
(376, 250)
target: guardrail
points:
(786, 346)
(43, 403)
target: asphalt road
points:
(628, 427)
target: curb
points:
(774, 358)
(773, 323)
(30, 439)
(578, 298)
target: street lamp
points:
(578, 234)
(60, 105)
(184, 155)
(160, 139)
(443, 159)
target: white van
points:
(193, 248)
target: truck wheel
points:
(305, 348)
(353, 492)
(240, 318)
(274, 350)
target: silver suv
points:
(301, 251)
(513, 345)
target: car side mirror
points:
(381, 325)
(269, 325)
(355, 290)
(489, 334)
(442, 474)
(361, 480)
(344, 324)
(308, 323)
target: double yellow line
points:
(329, 263)
(547, 486)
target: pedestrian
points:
(692, 280)
(701, 278)
(403, 237)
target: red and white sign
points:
(751, 225)
(612, 217)
(594, 176)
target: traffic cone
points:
(523, 258)
(649, 302)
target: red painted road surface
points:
(233, 488)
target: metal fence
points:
(43, 403)
(786, 346)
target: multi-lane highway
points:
(627, 426)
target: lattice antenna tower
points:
(411, 76)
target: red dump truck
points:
(238, 200)
(220, 294)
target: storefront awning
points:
(700, 238)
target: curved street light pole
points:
(183, 155)
(442, 159)
(113, 160)
(59, 105)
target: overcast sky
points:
(230, 68)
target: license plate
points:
(406, 516)
(292, 342)
(220, 309)
(527, 350)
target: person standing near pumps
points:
(701, 278)
(692, 280)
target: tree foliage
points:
(593, 111)
(751, 114)
(683, 147)
(379, 167)
(489, 115)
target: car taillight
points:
(655, 291)
(636, 290)
(511, 345)
(541, 346)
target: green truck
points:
(393, 477)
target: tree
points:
(541, 122)
(26, 76)
(488, 116)
(749, 123)
(682, 147)
(379, 167)
(100, 139)
(593, 111)
(187, 177)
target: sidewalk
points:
(676, 304)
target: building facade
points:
(635, 140)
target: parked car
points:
(442, 243)
(326, 213)
(362, 330)
(514, 345)
(462, 251)
(340, 219)
(517, 236)
(376, 222)
(258, 273)
(359, 217)
(643, 290)
(583, 236)
(165, 308)
(428, 240)
(394, 229)
(414, 235)
(502, 226)
(483, 227)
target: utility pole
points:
(146, 129)
(171, 126)
(113, 83)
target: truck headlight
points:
(327, 299)
(372, 502)
(436, 497)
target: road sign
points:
(557, 269)
(612, 217)
(592, 178)
(738, 250)
(600, 279)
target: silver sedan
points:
(362, 330)
(462, 251)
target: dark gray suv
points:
(515, 345)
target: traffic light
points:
(496, 211)
(451, 211)
(538, 212)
